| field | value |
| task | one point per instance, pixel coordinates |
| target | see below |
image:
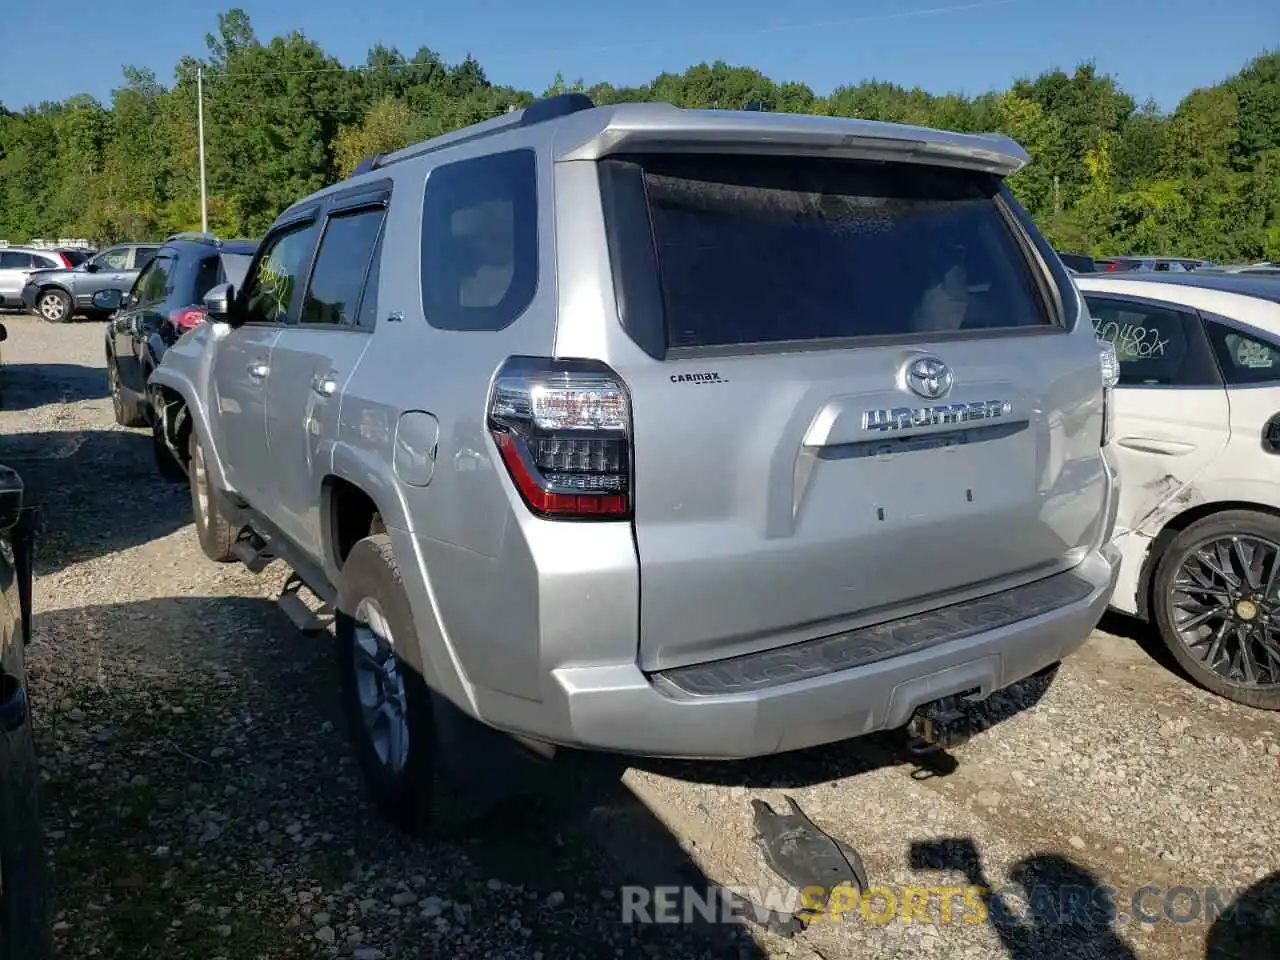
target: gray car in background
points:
(16, 266)
(704, 434)
(57, 295)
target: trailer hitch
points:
(945, 723)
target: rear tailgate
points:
(859, 399)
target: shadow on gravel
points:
(31, 385)
(200, 800)
(1251, 930)
(849, 758)
(1065, 910)
(1144, 635)
(98, 489)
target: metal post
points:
(204, 203)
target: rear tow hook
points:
(943, 724)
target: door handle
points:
(1170, 448)
(258, 369)
(325, 384)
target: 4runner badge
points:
(710, 377)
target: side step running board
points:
(299, 612)
(253, 551)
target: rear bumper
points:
(29, 294)
(617, 707)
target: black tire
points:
(24, 892)
(167, 464)
(215, 532)
(404, 793)
(125, 408)
(1239, 523)
(54, 306)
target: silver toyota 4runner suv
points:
(679, 433)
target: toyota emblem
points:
(929, 377)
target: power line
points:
(758, 31)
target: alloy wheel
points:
(380, 686)
(113, 382)
(52, 308)
(1225, 605)
(199, 485)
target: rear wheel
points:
(387, 704)
(1217, 605)
(54, 306)
(214, 531)
(126, 409)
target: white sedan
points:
(1196, 436)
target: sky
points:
(1158, 49)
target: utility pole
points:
(204, 203)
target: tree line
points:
(283, 118)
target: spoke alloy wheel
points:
(113, 380)
(1225, 604)
(380, 687)
(52, 307)
(198, 482)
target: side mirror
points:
(91, 267)
(108, 299)
(220, 302)
(4, 333)
(10, 497)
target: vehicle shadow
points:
(194, 753)
(1066, 909)
(98, 492)
(32, 385)
(1250, 928)
(848, 758)
(1145, 636)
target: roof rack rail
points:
(192, 235)
(540, 111)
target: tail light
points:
(187, 318)
(563, 429)
(66, 261)
(1110, 377)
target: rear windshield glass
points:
(75, 257)
(761, 249)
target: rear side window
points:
(754, 250)
(1155, 346)
(157, 282)
(208, 275)
(1244, 359)
(480, 241)
(75, 257)
(142, 256)
(333, 295)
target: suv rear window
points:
(754, 250)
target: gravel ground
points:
(201, 801)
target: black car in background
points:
(165, 302)
(24, 915)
